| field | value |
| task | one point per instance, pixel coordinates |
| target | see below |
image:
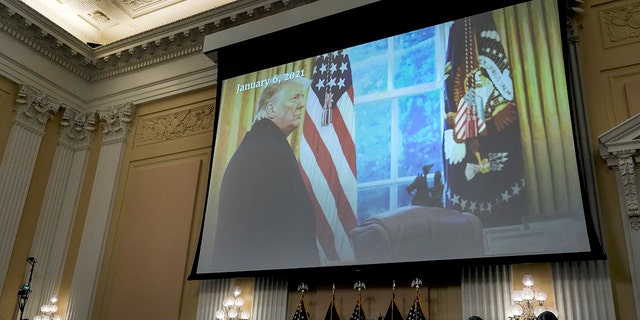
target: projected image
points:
(449, 142)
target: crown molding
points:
(174, 40)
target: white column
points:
(116, 124)
(33, 111)
(270, 299)
(486, 291)
(59, 206)
(583, 290)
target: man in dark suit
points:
(266, 218)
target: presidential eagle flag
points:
(327, 154)
(301, 311)
(482, 147)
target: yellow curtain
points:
(535, 52)
(236, 113)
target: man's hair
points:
(271, 92)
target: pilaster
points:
(116, 123)
(620, 149)
(33, 111)
(59, 205)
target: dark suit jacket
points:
(266, 219)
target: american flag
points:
(358, 313)
(416, 313)
(327, 154)
(301, 312)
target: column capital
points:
(78, 128)
(116, 122)
(34, 108)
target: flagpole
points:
(358, 313)
(333, 292)
(416, 283)
(301, 311)
(416, 312)
(393, 289)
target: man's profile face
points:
(289, 108)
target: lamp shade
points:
(528, 281)
(538, 310)
(516, 310)
(541, 296)
(228, 302)
(516, 295)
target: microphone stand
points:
(25, 289)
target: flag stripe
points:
(330, 163)
(341, 129)
(333, 225)
(323, 227)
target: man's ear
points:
(271, 111)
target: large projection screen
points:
(453, 141)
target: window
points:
(398, 107)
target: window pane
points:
(372, 201)
(404, 197)
(373, 141)
(369, 67)
(414, 58)
(420, 133)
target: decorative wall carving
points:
(620, 25)
(626, 166)
(175, 125)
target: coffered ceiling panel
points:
(101, 22)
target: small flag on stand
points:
(393, 312)
(416, 311)
(301, 311)
(358, 312)
(332, 312)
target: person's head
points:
(547, 315)
(283, 103)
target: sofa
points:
(418, 233)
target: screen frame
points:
(384, 19)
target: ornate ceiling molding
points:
(171, 41)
